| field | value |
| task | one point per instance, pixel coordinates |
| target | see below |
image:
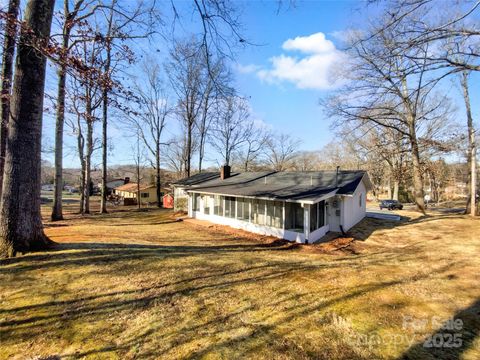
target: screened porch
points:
(286, 216)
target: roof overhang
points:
(312, 201)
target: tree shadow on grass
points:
(441, 344)
(96, 307)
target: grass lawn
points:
(140, 285)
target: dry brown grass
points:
(142, 285)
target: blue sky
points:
(284, 75)
(282, 104)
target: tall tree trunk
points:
(57, 213)
(417, 172)
(103, 208)
(88, 167)
(21, 227)
(80, 145)
(395, 189)
(81, 210)
(472, 151)
(7, 74)
(157, 179)
(389, 189)
(189, 148)
(139, 198)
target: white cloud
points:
(313, 44)
(315, 70)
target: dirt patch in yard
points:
(336, 246)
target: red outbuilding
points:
(168, 201)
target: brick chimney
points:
(126, 180)
(224, 172)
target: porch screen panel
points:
(240, 206)
(246, 209)
(261, 212)
(294, 217)
(278, 215)
(230, 206)
(258, 212)
(313, 217)
(270, 213)
(321, 214)
(218, 205)
(206, 204)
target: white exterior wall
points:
(332, 218)
(352, 209)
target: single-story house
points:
(114, 183)
(148, 193)
(296, 206)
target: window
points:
(294, 214)
(230, 206)
(360, 200)
(206, 204)
(196, 202)
(144, 195)
(218, 205)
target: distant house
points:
(296, 206)
(129, 192)
(114, 183)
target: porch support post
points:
(306, 221)
(190, 204)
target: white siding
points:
(353, 210)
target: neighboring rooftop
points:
(305, 186)
(132, 187)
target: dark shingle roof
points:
(306, 186)
(197, 179)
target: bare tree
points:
(71, 18)
(150, 116)
(280, 151)
(174, 155)
(21, 227)
(86, 100)
(253, 146)
(186, 74)
(10, 32)
(387, 89)
(122, 23)
(472, 151)
(453, 34)
(139, 165)
(232, 127)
